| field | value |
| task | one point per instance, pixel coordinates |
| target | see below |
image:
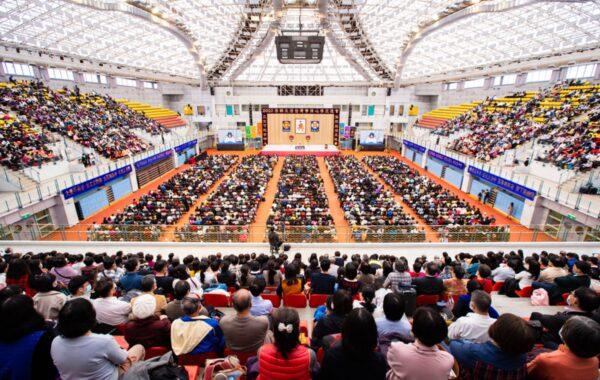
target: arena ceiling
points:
(375, 42)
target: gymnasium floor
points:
(258, 227)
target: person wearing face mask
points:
(48, 301)
(79, 287)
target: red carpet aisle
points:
(342, 227)
(258, 229)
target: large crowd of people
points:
(94, 121)
(236, 200)
(300, 204)
(59, 309)
(432, 202)
(168, 202)
(495, 126)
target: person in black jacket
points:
(341, 305)
(321, 282)
(429, 284)
(355, 356)
(274, 240)
(568, 283)
(583, 301)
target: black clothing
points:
(322, 283)
(428, 285)
(338, 364)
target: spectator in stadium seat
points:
(260, 306)
(483, 277)
(462, 306)
(131, 280)
(582, 302)
(292, 284)
(174, 309)
(576, 358)
(194, 333)
(149, 287)
(164, 282)
(227, 277)
(322, 282)
(80, 355)
(501, 357)
(271, 274)
(349, 281)
(393, 320)
(399, 279)
(19, 274)
(89, 270)
(25, 341)
(110, 310)
(48, 301)
(286, 358)
(457, 284)
(110, 270)
(556, 268)
(244, 332)
(421, 359)
(474, 326)
(147, 328)
(355, 357)
(430, 284)
(565, 284)
(505, 271)
(62, 270)
(341, 305)
(79, 287)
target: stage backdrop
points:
(302, 126)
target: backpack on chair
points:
(224, 369)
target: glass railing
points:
(297, 234)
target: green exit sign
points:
(25, 216)
(571, 216)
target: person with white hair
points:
(146, 328)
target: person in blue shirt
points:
(196, 334)
(131, 280)
(503, 356)
(259, 306)
(461, 307)
(322, 282)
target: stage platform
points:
(304, 150)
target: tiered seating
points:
(166, 117)
(300, 205)
(437, 117)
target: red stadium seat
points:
(216, 300)
(120, 339)
(525, 292)
(199, 359)
(497, 286)
(295, 300)
(193, 371)
(243, 356)
(274, 298)
(152, 352)
(426, 299)
(317, 300)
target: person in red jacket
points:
(146, 328)
(286, 359)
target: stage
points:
(300, 150)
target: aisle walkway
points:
(430, 234)
(258, 229)
(169, 232)
(342, 227)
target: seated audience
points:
(164, 282)
(260, 306)
(555, 268)
(292, 283)
(456, 285)
(349, 281)
(79, 286)
(286, 358)
(194, 333)
(430, 284)
(322, 282)
(146, 328)
(148, 286)
(110, 310)
(62, 271)
(503, 356)
(576, 358)
(131, 280)
(341, 305)
(48, 301)
(80, 354)
(474, 326)
(355, 356)
(421, 359)
(18, 273)
(566, 284)
(463, 306)
(244, 332)
(400, 278)
(25, 340)
(393, 321)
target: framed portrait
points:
(314, 126)
(286, 126)
(300, 125)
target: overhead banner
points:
(152, 159)
(93, 183)
(506, 184)
(413, 146)
(184, 146)
(447, 160)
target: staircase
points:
(166, 117)
(434, 119)
(492, 198)
(11, 181)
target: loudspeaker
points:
(212, 91)
(389, 91)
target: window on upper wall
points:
(20, 69)
(245, 107)
(363, 111)
(151, 85)
(401, 110)
(60, 74)
(475, 83)
(539, 76)
(582, 71)
(94, 78)
(452, 86)
(392, 109)
(236, 109)
(126, 82)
